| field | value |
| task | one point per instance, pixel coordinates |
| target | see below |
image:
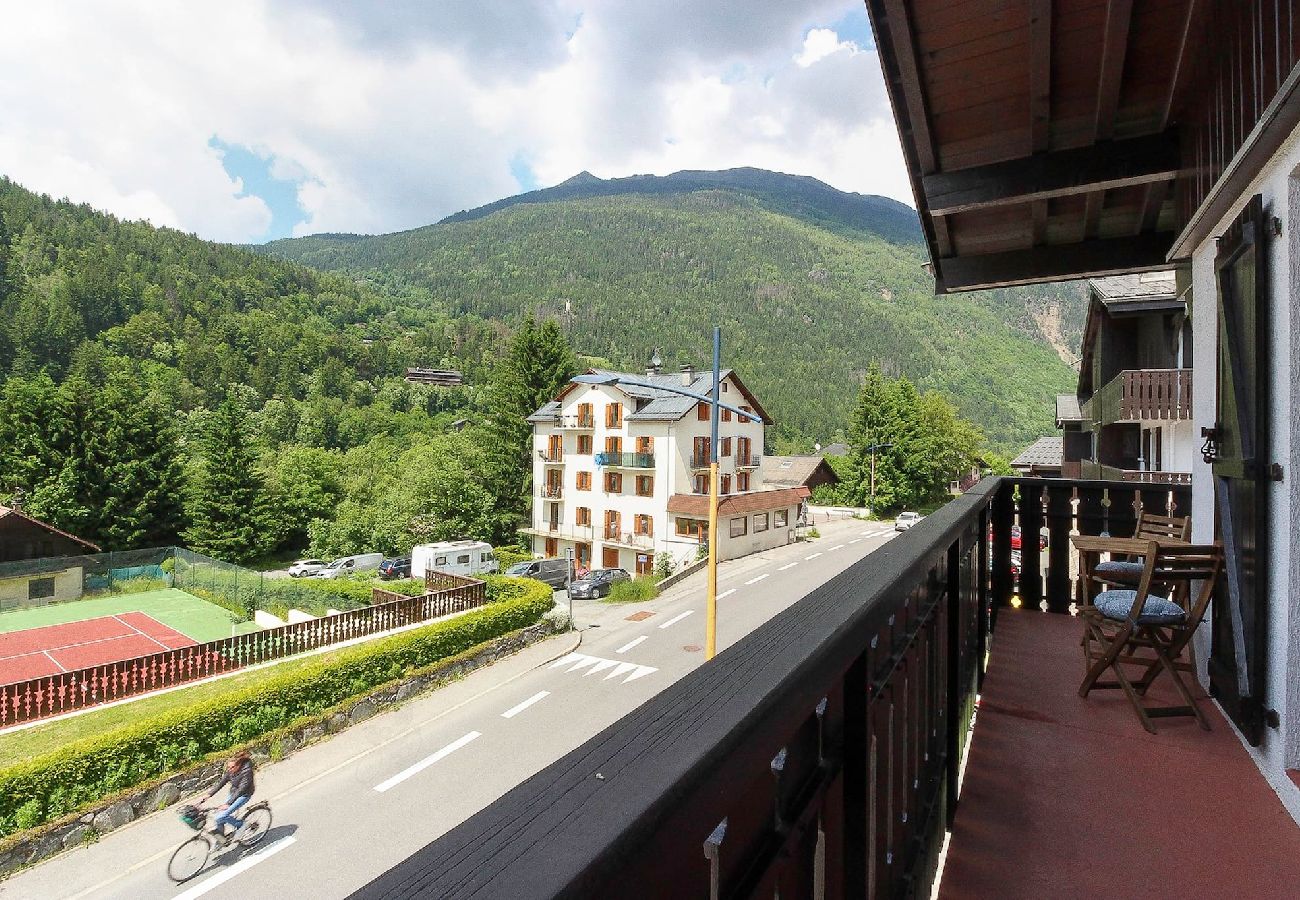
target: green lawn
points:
(189, 615)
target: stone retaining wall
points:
(44, 841)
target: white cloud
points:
(392, 115)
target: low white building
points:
(621, 474)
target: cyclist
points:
(239, 775)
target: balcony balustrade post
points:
(982, 594)
(1031, 526)
(1060, 509)
(1002, 516)
(952, 701)
(856, 795)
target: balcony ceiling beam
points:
(1060, 173)
(1104, 256)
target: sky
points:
(250, 120)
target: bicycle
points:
(191, 857)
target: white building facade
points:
(621, 474)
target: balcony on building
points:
(629, 540)
(578, 422)
(549, 491)
(551, 456)
(618, 460)
(748, 461)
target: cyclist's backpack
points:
(193, 817)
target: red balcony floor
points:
(1065, 797)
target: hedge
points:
(635, 590)
(508, 556)
(79, 774)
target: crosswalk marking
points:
(677, 618)
(594, 664)
(632, 643)
(758, 578)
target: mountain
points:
(811, 286)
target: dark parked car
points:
(395, 568)
(598, 584)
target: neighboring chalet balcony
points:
(625, 460)
(753, 461)
(1138, 395)
(578, 422)
(562, 530)
(631, 541)
(551, 491)
(551, 457)
(820, 755)
(1087, 468)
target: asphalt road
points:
(349, 808)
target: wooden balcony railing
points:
(1142, 395)
(1090, 469)
(816, 757)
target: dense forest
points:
(810, 292)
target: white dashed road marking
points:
(813, 556)
(787, 566)
(856, 541)
(632, 643)
(726, 593)
(758, 578)
(677, 618)
(836, 547)
(238, 868)
(516, 710)
(426, 762)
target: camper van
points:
(352, 565)
(455, 557)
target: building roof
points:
(736, 504)
(1046, 451)
(654, 404)
(1067, 409)
(1135, 286)
(792, 471)
(836, 449)
(6, 512)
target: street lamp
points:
(872, 448)
(715, 404)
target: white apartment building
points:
(621, 474)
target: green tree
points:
(538, 364)
(227, 508)
(304, 484)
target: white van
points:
(349, 565)
(455, 557)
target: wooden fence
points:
(51, 695)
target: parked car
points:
(597, 584)
(906, 520)
(554, 571)
(352, 565)
(305, 567)
(395, 568)
(1015, 564)
(1015, 538)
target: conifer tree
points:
(536, 367)
(227, 507)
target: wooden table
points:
(1091, 546)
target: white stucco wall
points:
(1277, 183)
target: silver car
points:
(906, 520)
(305, 567)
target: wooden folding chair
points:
(1149, 527)
(1151, 626)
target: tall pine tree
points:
(227, 506)
(537, 366)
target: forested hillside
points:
(809, 294)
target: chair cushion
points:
(1118, 570)
(1155, 611)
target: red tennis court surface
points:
(77, 645)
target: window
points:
(462, 559)
(584, 555)
(738, 527)
(702, 412)
(584, 481)
(701, 484)
(614, 415)
(40, 589)
(725, 487)
(700, 455)
(585, 418)
(554, 447)
(760, 522)
(781, 518)
(645, 445)
(695, 528)
(613, 445)
(645, 485)
(724, 447)
(746, 409)
(582, 515)
(613, 483)
(584, 444)
(643, 524)
(726, 415)
(440, 561)
(613, 521)
(552, 547)
(485, 557)
(742, 481)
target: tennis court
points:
(175, 608)
(52, 649)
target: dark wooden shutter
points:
(1241, 472)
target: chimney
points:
(688, 375)
(656, 363)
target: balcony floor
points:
(1071, 797)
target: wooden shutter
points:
(1241, 472)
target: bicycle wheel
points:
(189, 859)
(256, 824)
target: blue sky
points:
(279, 195)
